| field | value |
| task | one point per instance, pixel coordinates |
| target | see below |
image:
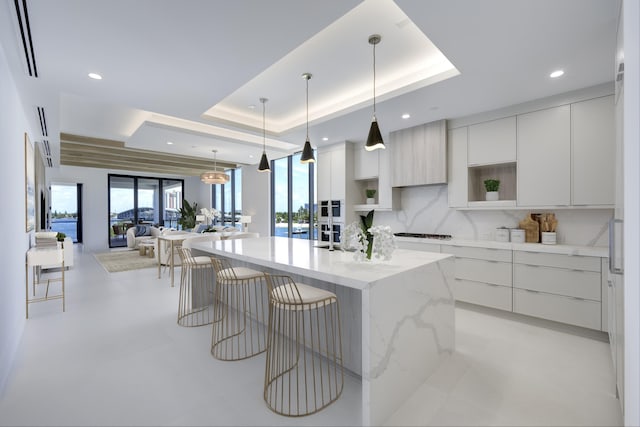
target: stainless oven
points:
(325, 234)
(331, 208)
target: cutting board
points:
(531, 229)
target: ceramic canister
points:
(517, 235)
(502, 234)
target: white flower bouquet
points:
(367, 240)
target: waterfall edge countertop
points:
(301, 256)
(397, 316)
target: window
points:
(227, 198)
(141, 200)
(293, 204)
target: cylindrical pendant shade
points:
(374, 140)
(307, 153)
(264, 164)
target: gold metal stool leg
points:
(240, 312)
(303, 371)
(196, 290)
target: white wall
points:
(15, 241)
(631, 35)
(256, 200)
(95, 198)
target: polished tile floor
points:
(117, 357)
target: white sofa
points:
(134, 237)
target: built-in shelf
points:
(367, 208)
(505, 172)
(498, 204)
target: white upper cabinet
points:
(457, 167)
(365, 163)
(544, 157)
(420, 155)
(331, 173)
(593, 152)
(492, 142)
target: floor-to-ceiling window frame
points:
(293, 204)
(227, 199)
(65, 214)
(141, 200)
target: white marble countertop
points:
(302, 257)
(597, 251)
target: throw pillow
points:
(142, 230)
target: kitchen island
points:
(397, 316)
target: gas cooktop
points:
(424, 235)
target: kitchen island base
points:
(397, 316)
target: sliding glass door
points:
(141, 200)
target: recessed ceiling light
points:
(252, 107)
(325, 138)
(251, 156)
(169, 143)
(556, 73)
(95, 76)
(406, 116)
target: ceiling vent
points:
(43, 122)
(22, 17)
(46, 153)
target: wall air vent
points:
(22, 16)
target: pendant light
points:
(307, 151)
(214, 177)
(264, 162)
(374, 140)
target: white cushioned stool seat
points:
(240, 312)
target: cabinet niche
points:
(505, 172)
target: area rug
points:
(124, 261)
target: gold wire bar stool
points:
(240, 312)
(304, 371)
(196, 289)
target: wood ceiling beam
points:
(78, 150)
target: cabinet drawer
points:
(560, 281)
(494, 296)
(478, 253)
(417, 246)
(569, 310)
(574, 262)
(497, 273)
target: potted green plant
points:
(187, 218)
(371, 193)
(492, 186)
(60, 237)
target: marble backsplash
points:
(425, 210)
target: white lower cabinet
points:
(563, 288)
(569, 289)
(482, 276)
(574, 311)
(487, 294)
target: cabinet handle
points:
(492, 261)
(610, 283)
(532, 291)
(531, 265)
(575, 269)
(577, 298)
(492, 284)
